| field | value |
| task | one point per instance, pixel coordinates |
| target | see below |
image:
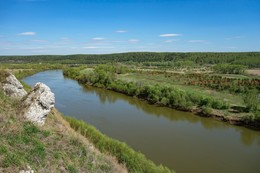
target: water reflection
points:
(247, 136)
(179, 140)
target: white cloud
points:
(170, 35)
(121, 31)
(98, 38)
(133, 41)
(96, 47)
(197, 41)
(170, 41)
(39, 41)
(27, 33)
(118, 41)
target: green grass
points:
(153, 79)
(53, 147)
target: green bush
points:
(252, 100)
(229, 68)
(103, 76)
(206, 110)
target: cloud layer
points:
(27, 33)
(197, 41)
(170, 35)
(98, 38)
(121, 31)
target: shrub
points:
(206, 110)
(229, 68)
(103, 76)
(252, 100)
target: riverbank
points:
(54, 147)
(168, 96)
(56, 138)
(164, 135)
(134, 161)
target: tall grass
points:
(134, 161)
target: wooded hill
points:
(249, 59)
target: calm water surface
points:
(179, 140)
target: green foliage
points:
(38, 151)
(45, 133)
(229, 68)
(3, 149)
(72, 169)
(206, 110)
(250, 59)
(134, 161)
(30, 129)
(52, 146)
(73, 72)
(11, 160)
(103, 76)
(252, 100)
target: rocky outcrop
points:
(11, 86)
(28, 170)
(38, 103)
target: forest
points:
(248, 59)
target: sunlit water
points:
(179, 140)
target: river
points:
(180, 140)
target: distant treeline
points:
(250, 59)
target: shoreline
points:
(215, 114)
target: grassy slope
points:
(54, 147)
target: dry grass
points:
(55, 147)
(254, 72)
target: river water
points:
(182, 141)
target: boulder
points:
(37, 104)
(11, 86)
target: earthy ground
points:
(255, 72)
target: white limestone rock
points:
(11, 86)
(38, 103)
(28, 170)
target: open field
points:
(177, 82)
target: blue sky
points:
(30, 27)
